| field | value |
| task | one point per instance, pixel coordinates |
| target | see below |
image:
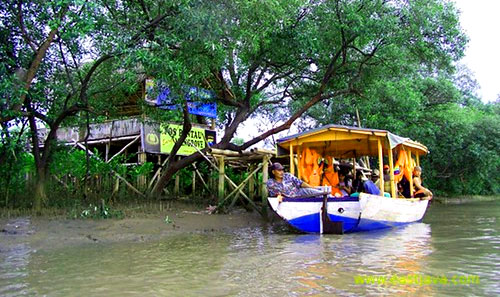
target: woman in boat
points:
(417, 182)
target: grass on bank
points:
(103, 210)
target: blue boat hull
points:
(368, 212)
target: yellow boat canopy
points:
(348, 142)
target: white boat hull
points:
(368, 212)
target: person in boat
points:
(369, 186)
(421, 191)
(387, 179)
(285, 184)
(357, 184)
(345, 184)
(404, 188)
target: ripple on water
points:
(269, 261)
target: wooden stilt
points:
(240, 186)
(251, 185)
(177, 183)
(265, 177)
(114, 172)
(193, 189)
(220, 188)
(141, 159)
(228, 179)
(108, 147)
(201, 177)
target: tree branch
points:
(35, 64)
(24, 33)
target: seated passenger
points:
(357, 184)
(345, 184)
(285, 184)
(421, 191)
(404, 188)
(370, 187)
(387, 179)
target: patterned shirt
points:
(289, 187)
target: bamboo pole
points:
(226, 153)
(220, 189)
(141, 159)
(418, 159)
(265, 177)
(353, 168)
(177, 182)
(124, 148)
(380, 167)
(292, 165)
(227, 178)
(391, 168)
(201, 177)
(240, 186)
(411, 177)
(108, 147)
(193, 190)
(299, 152)
(114, 172)
(157, 173)
(251, 185)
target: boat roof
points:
(347, 141)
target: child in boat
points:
(285, 184)
(345, 184)
(417, 182)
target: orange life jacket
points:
(405, 164)
(317, 170)
(331, 178)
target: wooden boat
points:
(329, 214)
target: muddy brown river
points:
(455, 251)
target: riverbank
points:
(142, 223)
(465, 199)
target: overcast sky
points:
(481, 21)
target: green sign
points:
(162, 140)
(170, 134)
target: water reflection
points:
(328, 264)
(14, 257)
(269, 261)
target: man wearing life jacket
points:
(285, 184)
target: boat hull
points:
(363, 213)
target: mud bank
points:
(42, 233)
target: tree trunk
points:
(40, 192)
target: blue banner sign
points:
(199, 101)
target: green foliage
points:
(391, 61)
(462, 139)
(16, 166)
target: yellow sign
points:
(170, 134)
